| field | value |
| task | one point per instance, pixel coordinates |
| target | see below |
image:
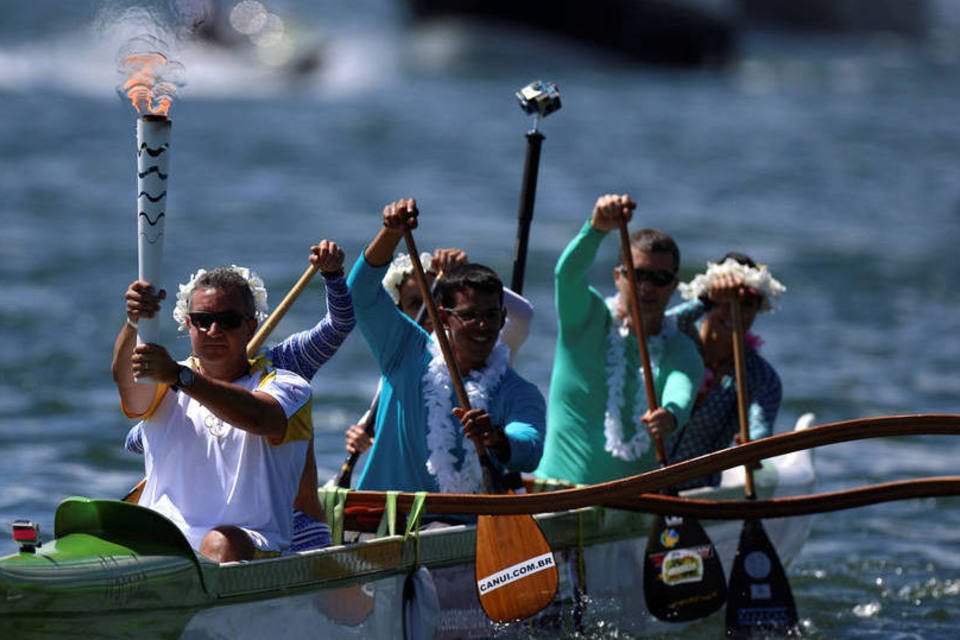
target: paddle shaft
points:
(281, 310)
(438, 328)
(641, 331)
(739, 368)
(528, 194)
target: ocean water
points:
(835, 160)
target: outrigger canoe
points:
(117, 570)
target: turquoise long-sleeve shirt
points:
(574, 448)
(399, 454)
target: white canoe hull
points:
(448, 606)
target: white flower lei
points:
(758, 278)
(634, 448)
(182, 307)
(444, 431)
(400, 269)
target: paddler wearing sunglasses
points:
(225, 438)
(303, 353)
(599, 427)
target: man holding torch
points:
(302, 353)
(225, 437)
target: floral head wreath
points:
(758, 278)
(400, 269)
(182, 307)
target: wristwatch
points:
(185, 378)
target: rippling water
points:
(836, 161)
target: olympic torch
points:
(153, 145)
(151, 96)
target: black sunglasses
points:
(227, 320)
(658, 277)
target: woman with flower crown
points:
(715, 420)
(423, 439)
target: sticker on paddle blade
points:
(683, 578)
(682, 565)
(760, 600)
(516, 571)
(519, 571)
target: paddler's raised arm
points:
(306, 351)
(397, 217)
(141, 302)
(574, 297)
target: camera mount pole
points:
(540, 99)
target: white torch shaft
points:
(153, 154)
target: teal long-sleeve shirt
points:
(399, 454)
(574, 447)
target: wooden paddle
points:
(253, 347)
(683, 578)
(760, 600)
(515, 569)
(264, 331)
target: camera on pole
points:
(538, 99)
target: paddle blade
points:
(683, 578)
(515, 568)
(760, 601)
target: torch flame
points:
(141, 87)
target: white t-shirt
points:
(202, 472)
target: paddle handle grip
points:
(739, 368)
(528, 196)
(637, 313)
(281, 310)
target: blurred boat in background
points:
(687, 33)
